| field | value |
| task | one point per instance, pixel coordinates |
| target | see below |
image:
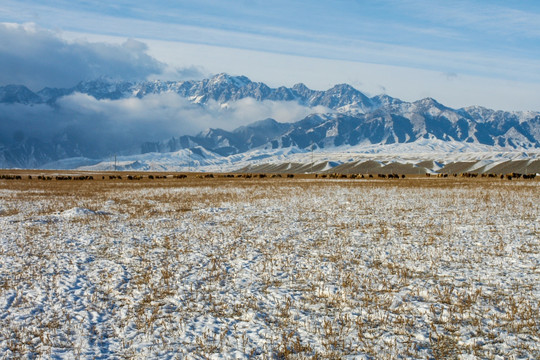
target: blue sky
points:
(459, 52)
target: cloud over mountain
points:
(101, 126)
(102, 117)
(37, 57)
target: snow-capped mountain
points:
(353, 119)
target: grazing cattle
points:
(290, 176)
(10, 177)
(205, 176)
(81, 177)
(62, 177)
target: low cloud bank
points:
(102, 127)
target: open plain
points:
(419, 267)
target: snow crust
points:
(200, 159)
(338, 269)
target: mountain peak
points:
(300, 87)
(224, 78)
(342, 88)
(18, 94)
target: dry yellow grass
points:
(270, 268)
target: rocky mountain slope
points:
(352, 119)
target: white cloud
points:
(37, 58)
(102, 127)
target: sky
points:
(459, 52)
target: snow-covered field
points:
(270, 268)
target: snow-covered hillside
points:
(338, 117)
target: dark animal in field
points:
(10, 177)
(205, 176)
(290, 176)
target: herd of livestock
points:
(509, 176)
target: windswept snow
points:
(274, 268)
(439, 153)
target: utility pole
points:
(114, 162)
(312, 146)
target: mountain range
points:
(350, 119)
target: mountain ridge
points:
(353, 119)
